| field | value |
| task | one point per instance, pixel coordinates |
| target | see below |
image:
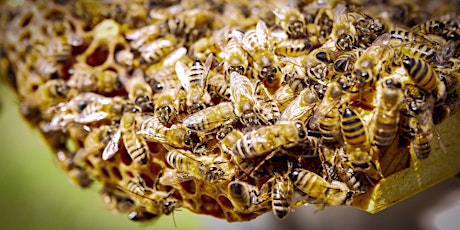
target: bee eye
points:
(221, 135)
(322, 56)
(293, 175)
(166, 108)
(365, 75)
(82, 105)
(187, 141)
(199, 107)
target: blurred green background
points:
(35, 194)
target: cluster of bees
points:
(232, 109)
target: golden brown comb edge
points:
(421, 175)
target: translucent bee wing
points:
(174, 177)
(302, 105)
(174, 57)
(222, 114)
(149, 47)
(241, 86)
(263, 35)
(112, 146)
(207, 67)
(382, 39)
(280, 13)
(93, 117)
(182, 74)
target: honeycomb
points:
(234, 109)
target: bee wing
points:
(240, 85)
(263, 35)
(182, 74)
(382, 39)
(155, 45)
(207, 67)
(112, 146)
(339, 10)
(222, 115)
(138, 33)
(91, 117)
(174, 56)
(174, 177)
(279, 13)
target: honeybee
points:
(323, 192)
(386, 115)
(114, 201)
(322, 25)
(418, 50)
(270, 139)
(194, 81)
(136, 187)
(316, 70)
(227, 137)
(46, 68)
(162, 79)
(154, 52)
(398, 37)
(47, 94)
(218, 85)
(284, 96)
(293, 47)
(112, 146)
(367, 68)
(334, 169)
(344, 32)
(98, 108)
(140, 215)
(421, 142)
(243, 98)
(211, 118)
(257, 42)
(244, 196)
(186, 23)
(451, 30)
(59, 50)
(326, 117)
(357, 145)
(290, 20)
(266, 108)
(177, 135)
(139, 92)
(236, 59)
(200, 168)
(168, 104)
(84, 79)
(345, 62)
(429, 27)
(154, 203)
(424, 76)
(282, 195)
(134, 143)
(76, 173)
(423, 129)
(302, 107)
(142, 35)
(294, 77)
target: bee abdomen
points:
(421, 73)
